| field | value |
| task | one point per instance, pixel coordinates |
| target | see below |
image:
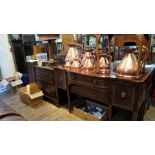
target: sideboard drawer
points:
(60, 79)
(123, 95)
(48, 75)
(89, 81)
(96, 94)
(45, 75)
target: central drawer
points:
(89, 81)
(100, 95)
(94, 88)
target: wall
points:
(7, 64)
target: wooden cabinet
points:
(19, 54)
(45, 81)
(31, 71)
(51, 45)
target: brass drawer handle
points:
(61, 79)
(46, 73)
(73, 78)
(123, 94)
(94, 82)
(47, 90)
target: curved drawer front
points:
(91, 87)
(123, 95)
(99, 95)
(89, 81)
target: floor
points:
(42, 112)
(48, 112)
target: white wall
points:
(7, 64)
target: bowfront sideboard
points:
(129, 94)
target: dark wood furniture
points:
(52, 48)
(45, 81)
(94, 88)
(20, 57)
(31, 71)
(21, 47)
(127, 94)
(51, 44)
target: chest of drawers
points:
(45, 81)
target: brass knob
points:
(61, 79)
(46, 73)
(94, 82)
(73, 78)
(123, 94)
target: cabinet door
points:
(123, 95)
(60, 79)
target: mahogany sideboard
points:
(124, 93)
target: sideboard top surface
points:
(112, 74)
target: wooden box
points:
(30, 100)
(80, 103)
